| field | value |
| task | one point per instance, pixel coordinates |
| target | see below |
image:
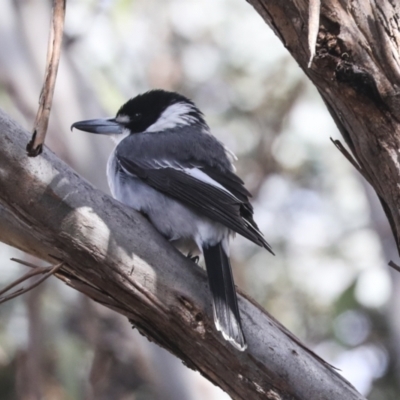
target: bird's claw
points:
(193, 258)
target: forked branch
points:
(45, 271)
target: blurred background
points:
(329, 282)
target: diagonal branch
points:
(115, 256)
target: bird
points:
(167, 165)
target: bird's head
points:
(153, 111)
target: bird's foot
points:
(193, 258)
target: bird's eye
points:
(137, 116)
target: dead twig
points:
(394, 266)
(351, 159)
(26, 263)
(45, 271)
(35, 146)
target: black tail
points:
(226, 310)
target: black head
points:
(158, 110)
(153, 111)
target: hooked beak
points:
(102, 126)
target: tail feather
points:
(225, 305)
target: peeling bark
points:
(356, 69)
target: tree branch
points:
(116, 257)
(356, 69)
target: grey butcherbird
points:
(169, 166)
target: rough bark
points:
(117, 258)
(356, 69)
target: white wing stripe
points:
(201, 176)
(194, 172)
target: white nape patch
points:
(122, 119)
(172, 116)
(201, 176)
(118, 137)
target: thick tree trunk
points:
(117, 258)
(356, 69)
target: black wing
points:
(231, 208)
